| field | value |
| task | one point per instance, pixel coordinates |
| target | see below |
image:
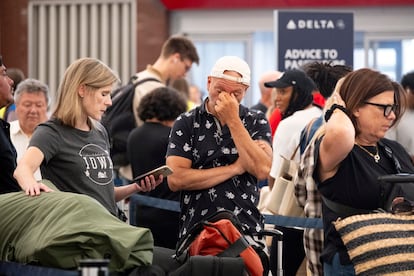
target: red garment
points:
(319, 99)
(275, 119)
(276, 115)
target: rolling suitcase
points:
(278, 235)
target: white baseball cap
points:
(231, 63)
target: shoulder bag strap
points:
(302, 136)
(306, 134)
(343, 210)
(390, 154)
(136, 81)
(294, 152)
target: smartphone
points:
(163, 170)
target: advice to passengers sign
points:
(302, 37)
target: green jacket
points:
(58, 229)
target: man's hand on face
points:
(227, 107)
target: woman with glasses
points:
(351, 153)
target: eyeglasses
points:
(387, 108)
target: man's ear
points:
(176, 57)
(208, 83)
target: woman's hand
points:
(149, 183)
(34, 188)
(334, 99)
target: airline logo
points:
(314, 24)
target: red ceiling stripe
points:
(276, 4)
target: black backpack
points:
(119, 120)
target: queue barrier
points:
(171, 205)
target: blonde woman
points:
(72, 148)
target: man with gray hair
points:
(31, 99)
(266, 92)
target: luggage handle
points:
(398, 177)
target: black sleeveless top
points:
(355, 184)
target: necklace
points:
(375, 156)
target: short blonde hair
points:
(85, 71)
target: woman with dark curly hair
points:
(325, 75)
(146, 148)
(294, 100)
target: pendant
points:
(377, 158)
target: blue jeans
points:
(336, 269)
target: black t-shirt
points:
(8, 163)
(355, 184)
(147, 146)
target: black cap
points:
(296, 78)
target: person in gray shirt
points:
(72, 148)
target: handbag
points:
(263, 200)
(379, 243)
(282, 199)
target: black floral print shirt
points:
(199, 136)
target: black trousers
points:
(293, 251)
